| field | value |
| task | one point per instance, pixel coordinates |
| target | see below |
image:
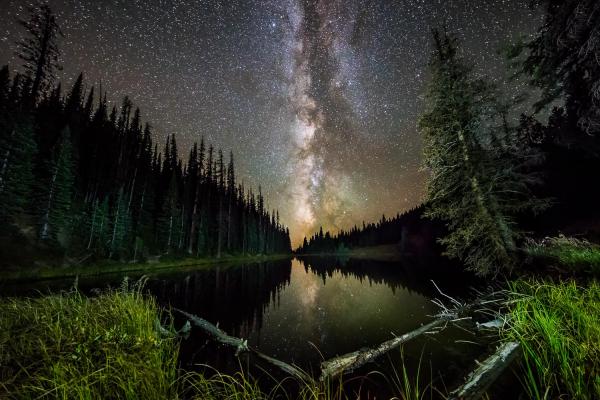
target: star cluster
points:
(319, 99)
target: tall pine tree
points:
(475, 184)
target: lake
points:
(302, 311)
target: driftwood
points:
(487, 372)
(349, 362)
(241, 346)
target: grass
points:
(69, 346)
(410, 388)
(108, 267)
(574, 254)
(558, 327)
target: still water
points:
(304, 311)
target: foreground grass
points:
(71, 347)
(558, 327)
(111, 267)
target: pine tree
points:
(562, 59)
(58, 192)
(17, 151)
(169, 218)
(4, 91)
(74, 100)
(120, 226)
(474, 186)
(39, 50)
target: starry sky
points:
(318, 99)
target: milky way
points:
(322, 64)
(319, 99)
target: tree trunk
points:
(348, 362)
(241, 345)
(220, 230)
(132, 189)
(180, 243)
(93, 224)
(229, 223)
(487, 372)
(194, 218)
(5, 162)
(114, 232)
(46, 218)
(170, 232)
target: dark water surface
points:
(303, 311)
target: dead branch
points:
(241, 346)
(348, 362)
(487, 372)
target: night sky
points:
(319, 100)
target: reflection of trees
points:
(415, 276)
(234, 297)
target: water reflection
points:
(234, 297)
(413, 275)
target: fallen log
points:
(486, 373)
(348, 362)
(241, 346)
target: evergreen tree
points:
(39, 50)
(4, 91)
(470, 187)
(169, 219)
(17, 150)
(562, 59)
(57, 193)
(120, 226)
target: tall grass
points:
(409, 387)
(71, 347)
(558, 327)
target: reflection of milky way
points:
(322, 62)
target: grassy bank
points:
(558, 327)
(111, 267)
(574, 256)
(69, 346)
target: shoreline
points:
(70, 271)
(385, 252)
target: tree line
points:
(385, 231)
(496, 168)
(81, 178)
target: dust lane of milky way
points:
(318, 99)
